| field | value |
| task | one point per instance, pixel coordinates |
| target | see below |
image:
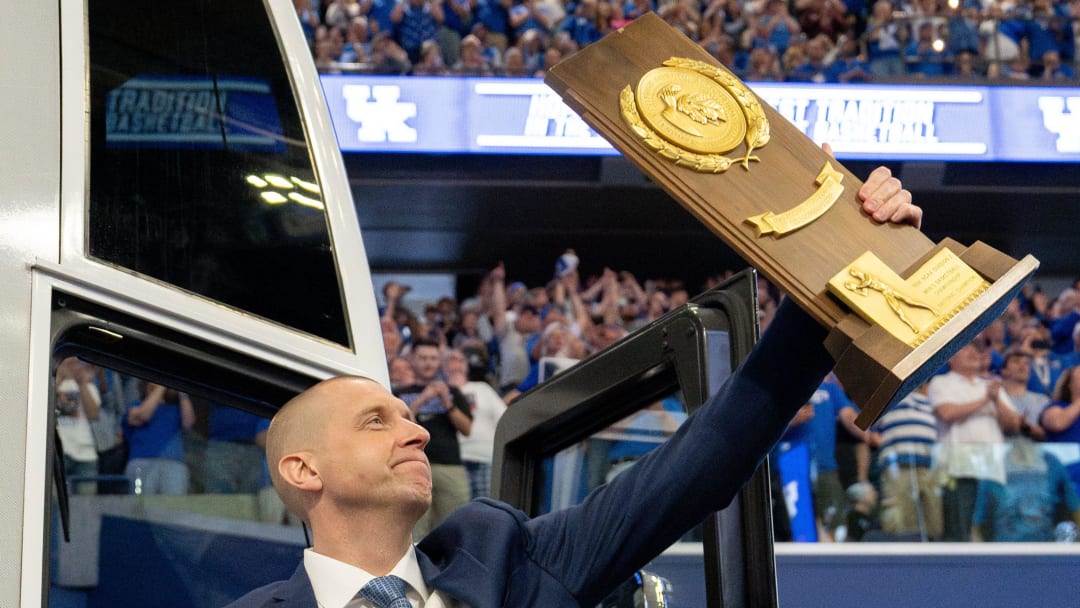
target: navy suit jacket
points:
(490, 555)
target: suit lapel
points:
(464, 579)
(297, 592)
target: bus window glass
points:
(200, 173)
(164, 490)
(565, 478)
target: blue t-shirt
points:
(416, 26)
(1050, 34)
(159, 437)
(530, 23)
(1061, 332)
(1069, 435)
(1044, 377)
(453, 21)
(582, 30)
(963, 36)
(828, 400)
(1030, 503)
(780, 37)
(886, 45)
(231, 424)
(380, 14)
(808, 72)
(927, 63)
(493, 15)
(842, 66)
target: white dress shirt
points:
(337, 584)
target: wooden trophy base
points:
(877, 370)
(896, 304)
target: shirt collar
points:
(335, 583)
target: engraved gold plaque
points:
(910, 309)
(684, 120)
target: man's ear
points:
(297, 471)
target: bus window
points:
(161, 490)
(200, 171)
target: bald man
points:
(348, 458)
(351, 463)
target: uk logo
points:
(380, 113)
(1064, 124)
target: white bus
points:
(173, 213)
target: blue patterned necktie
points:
(386, 592)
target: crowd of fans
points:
(986, 450)
(760, 40)
(969, 456)
(120, 434)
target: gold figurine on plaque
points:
(866, 282)
(913, 309)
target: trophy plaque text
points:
(896, 304)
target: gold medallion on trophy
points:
(693, 113)
(690, 110)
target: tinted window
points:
(165, 494)
(200, 172)
(568, 476)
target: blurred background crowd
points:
(988, 449)
(759, 40)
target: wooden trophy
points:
(896, 305)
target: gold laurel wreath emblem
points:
(757, 131)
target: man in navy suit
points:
(348, 458)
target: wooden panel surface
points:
(802, 262)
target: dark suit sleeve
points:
(596, 545)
